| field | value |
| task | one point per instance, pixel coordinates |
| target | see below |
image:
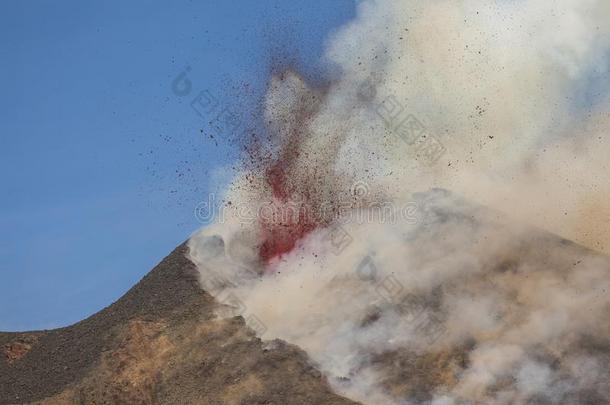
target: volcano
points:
(159, 344)
(163, 342)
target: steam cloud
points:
(465, 304)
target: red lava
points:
(286, 222)
(291, 185)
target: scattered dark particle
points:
(491, 137)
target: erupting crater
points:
(287, 219)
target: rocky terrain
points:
(162, 342)
(159, 344)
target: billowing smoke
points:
(339, 235)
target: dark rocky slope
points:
(160, 343)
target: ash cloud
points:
(466, 304)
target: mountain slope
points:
(160, 343)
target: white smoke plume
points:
(451, 302)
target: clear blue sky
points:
(101, 164)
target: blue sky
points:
(101, 163)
